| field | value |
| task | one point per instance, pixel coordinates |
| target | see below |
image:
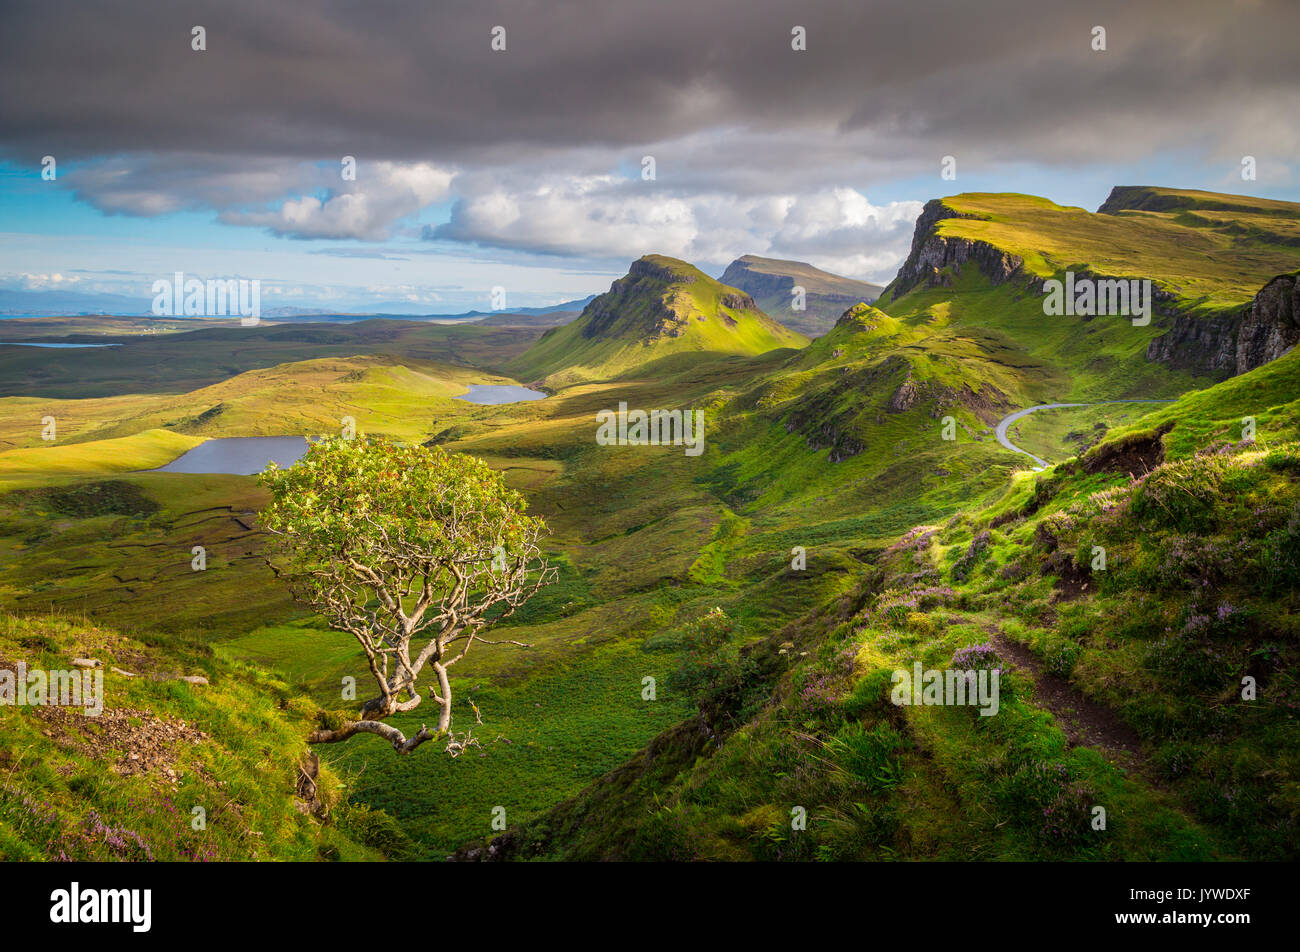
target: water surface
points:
(499, 393)
(238, 455)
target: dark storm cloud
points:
(537, 150)
(418, 80)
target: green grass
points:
(70, 789)
(311, 397)
(834, 447)
(542, 741)
(1217, 776)
(1203, 258)
(174, 363)
(147, 450)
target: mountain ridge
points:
(826, 295)
(662, 307)
(983, 259)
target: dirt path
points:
(1085, 723)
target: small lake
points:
(14, 343)
(238, 455)
(499, 393)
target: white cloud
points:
(28, 281)
(314, 200)
(605, 217)
(365, 209)
(531, 208)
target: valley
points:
(826, 534)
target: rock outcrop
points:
(1271, 325)
(931, 253)
(1219, 345)
(1236, 343)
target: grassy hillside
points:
(663, 308)
(141, 450)
(635, 568)
(1122, 687)
(310, 397)
(126, 784)
(979, 260)
(828, 534)
(1210, 251)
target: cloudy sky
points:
(523, 167)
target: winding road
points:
(1011, 418)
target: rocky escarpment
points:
(738, 302)
(1235, 343)
(1126, 198)
(645, 282)
(647, 267)
(604, 312)
(989, 404)
(662, 307)
(931, 253)
(1271, 325)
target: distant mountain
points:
(77, 303)
(770, 281)
(662, 307)
(576, 306)
(550, 316)
(69, 303)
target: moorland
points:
(852, 514)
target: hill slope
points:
(770, 281)
(1122, 685)
(680, 568)
(661, 308)
(129, 782)
(980, 261)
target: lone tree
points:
(413, 552)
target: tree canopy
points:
(411, 550)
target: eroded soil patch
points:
(1085, 723)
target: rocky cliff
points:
(932, 252)
(1220, 345)
(1233, 344)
